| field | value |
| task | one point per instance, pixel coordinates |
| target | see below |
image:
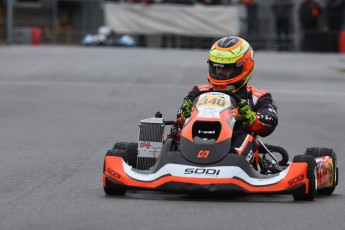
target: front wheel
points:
(311, 176)
(128, 151)
(110, 188)
(114, 191)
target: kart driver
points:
(231, 65)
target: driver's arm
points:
(266, 116)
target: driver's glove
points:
(186, 109)
(245, 113)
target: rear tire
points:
(127, 150)
(320, 152)
(311, 176)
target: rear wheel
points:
(311, 176)
(127, 150)
(321, 152)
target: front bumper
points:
(232, 174)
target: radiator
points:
(151, 134)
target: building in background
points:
(69, 21)
(59, 21)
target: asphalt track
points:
(61, 108)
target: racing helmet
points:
(232, 55)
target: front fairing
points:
(206, 135)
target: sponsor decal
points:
(206, 131)
(296, 179)
(322, 170)
(265, 117)
(203, 153)
(202, 172)
(330, 175)
(113, 173)
(249, 156)
(145, 144)
(149, 149)
(272, 111)
(325, 169)
(268, 118)
(219, 54)
(218, 65)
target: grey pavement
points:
(61, 108)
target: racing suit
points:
(261, 103)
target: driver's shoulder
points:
(197, 89)
(256, 92)
(203, 87)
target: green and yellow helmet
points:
(232, 53)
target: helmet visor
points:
(224, 71)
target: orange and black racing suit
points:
(261, 103)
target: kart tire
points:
(127, 150)
(277, 149)
(320, 152)
(124, 145)
(114, 191)
(311, 176)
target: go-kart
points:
(198, 158)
